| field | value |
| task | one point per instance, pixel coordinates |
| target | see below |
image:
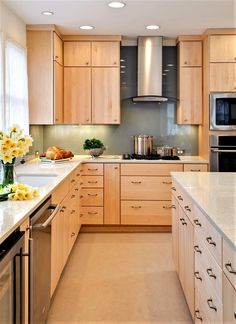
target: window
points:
(1, 83)
(16, 87)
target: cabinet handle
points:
(92, 182)
(211, 305)
(92, 195)
(173, 188)
(81, 215)
(235, 315)
(72, 234)
(81, 183)
(136, 207)
(72, 196)
(62, 211)
(187, 208)
(185, 120)
(235, 58)
(195, 170)
(73, 180)
(230, 268)
(76, 189)
(180, 198)
(81, 196)
(197, 314)
(116, 168)
(210, 273)
(196, 221)
(56, 56)
(196, 274)
(73, 211)
(136, 182)
(63, 207)
(167, 207)
(196, 248)
(92, 169)
(185, 62)
(78, 174)
(115, 120)
(210, 241)
(92, 213)
(183, 221)
(87, 120)
(173, 206)
(115, 63)
(167, 182)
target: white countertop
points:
(13, 213)
(215, 194)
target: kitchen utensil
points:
(143, 144)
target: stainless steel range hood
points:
(150, 69)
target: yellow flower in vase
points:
(19, 194)
(7, 158)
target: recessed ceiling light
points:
(152, 27)
(86, 27)
(47, 13)
(116, 4)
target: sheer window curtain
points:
(16, 87)
(1, 84)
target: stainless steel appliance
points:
(12, 279)
(222, 153)
(40, 222)
(223, 111)
(143, 144)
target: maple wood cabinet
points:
(45, 76)
(223, 48)
(106, 54)
(77, 53)
(223, 77)
(189, 106)
(111, 193)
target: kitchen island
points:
(204, 243)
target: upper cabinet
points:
(189, 105)
(190, 53)
(77, 53)
(105, 54)
(45, 76)
(223, 48)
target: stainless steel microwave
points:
(223, 111)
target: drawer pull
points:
(173, 188)
(81, 215)
(196, 248)
(168, 207)
(136, 207)
(187, 208)
(229, 268)
(81, 196)
(78, 174)
(73, 180)
(72, 234)
(92, 213)
(235, 315)
(76, 189)
(173, 206)
(167, 182)
(92, 182)
(73, 211)
(196, 221)
(92, 195)
(183, 222)
(210, 273)
(136, 182)
(72, 196)
(211, 305)
(210, 241)
(197, 314)
(196, 274)
(180, 198)
(195, 170)
(93, 169)
(63, 207)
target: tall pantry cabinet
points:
(45, 75)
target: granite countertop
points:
(215, 194)
(13, 213)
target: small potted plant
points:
(94, 146)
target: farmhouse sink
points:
(35, 180)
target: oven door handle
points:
(222, 151)
(49, 219)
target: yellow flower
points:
(12, 196)
(19, 194)
(7, 142)
(35, 192)
(4, 149)
(20, 152)
(27, 195)
(28, 140)
(7, 158)
(14, 152)
(14, 128)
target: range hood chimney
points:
(150, 69)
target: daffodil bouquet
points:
(13, 144)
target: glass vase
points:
(7, 173)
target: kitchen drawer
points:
(146, 212)
(208, 269)
(91, 197)
(91, 215)
(92, 181)
(229, 262)
(145, 188)
(61, 191)
(209, 234)
(74, 177)
(195, 167)
(229, 301)
(149, 169)
(200, 311)
(183, 199)
(92, 169)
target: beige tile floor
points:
(120, 278)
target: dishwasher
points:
(40, 278)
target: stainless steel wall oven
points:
(223, 111)
(223, 153)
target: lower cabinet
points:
(112, 194)
(229, 298)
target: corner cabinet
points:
(45, 76)
(92, 82)
(189, 106)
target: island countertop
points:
(215, 194)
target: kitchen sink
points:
(35, 180)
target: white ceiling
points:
(176, 17)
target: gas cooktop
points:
(148, 157)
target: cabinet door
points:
(190, 96)
(223, 48)
(105, 53)
(229, 301)
(77, 95)
(58, 93)
(190, 53)
(58, 49)
(112, 194)
(77, 53)
(175, 232)
(105, 96)
(223, 77)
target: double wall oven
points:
(223, 153)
